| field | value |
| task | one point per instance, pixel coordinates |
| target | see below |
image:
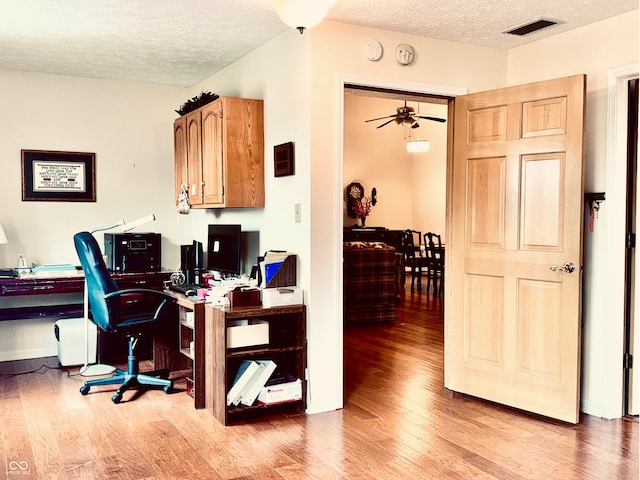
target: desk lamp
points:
(101, 369)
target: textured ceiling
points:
(184, 42)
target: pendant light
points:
(418, 146)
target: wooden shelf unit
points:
(192, 332)
(287, 348)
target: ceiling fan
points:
(405, 114)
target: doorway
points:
(410, 187)
(631, 400)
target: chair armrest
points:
(139, 291)
(137, 305)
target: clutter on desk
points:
(277, 269)
(244, 297)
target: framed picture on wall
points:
(58, 176)
(283, 162)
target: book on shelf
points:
(284, 392)
(267, 367)
(246, 371)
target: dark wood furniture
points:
(60, 295)
(191, 328)
(434, 253)
(287, 348)
(392, 238)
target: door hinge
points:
(628, 361)
(220, 113)
(631, 240)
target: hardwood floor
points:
(399, 422)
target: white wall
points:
(593, 50)
(129, 128)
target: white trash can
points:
(71, 345)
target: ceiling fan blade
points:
(415, 125)
(381, 118)
(435, 119)
(386, 123)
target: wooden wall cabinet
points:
(287, 348)
(219, 154)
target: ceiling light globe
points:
(302, 14)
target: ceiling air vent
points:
(531, 27)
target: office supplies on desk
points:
(188, 289)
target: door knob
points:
(568, 267)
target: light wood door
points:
(514, 327)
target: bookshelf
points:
(286, 347)
(191, 328)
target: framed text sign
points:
(58, 176)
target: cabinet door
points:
(212, 160)
(180, 154)
(243, 138)
(194, 159)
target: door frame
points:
(343, 79)
(615, 204)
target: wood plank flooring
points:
(399, 422)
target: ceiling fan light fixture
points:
(418, 146)
(302, 14)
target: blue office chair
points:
(127, 311)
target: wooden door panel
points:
(542, 209)
(212, 161)
(486, 201)
(539, 320)
(544, 117)
(484, 320)
(194, 161)
(488, 124)
(180, 155)
(516, 209)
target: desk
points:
(59, 294)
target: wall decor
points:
(58, 176)
(283, 161)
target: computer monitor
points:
(223, 249)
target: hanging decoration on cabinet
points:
(283, 161)
(197, 102)
(184, 206)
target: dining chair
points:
(434, 255)
(415, 262)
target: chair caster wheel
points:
(84, 390)
(167, 390)
(117, 397)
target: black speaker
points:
(187, 263)
(198, 261)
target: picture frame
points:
(283, 160)
(57, 176)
